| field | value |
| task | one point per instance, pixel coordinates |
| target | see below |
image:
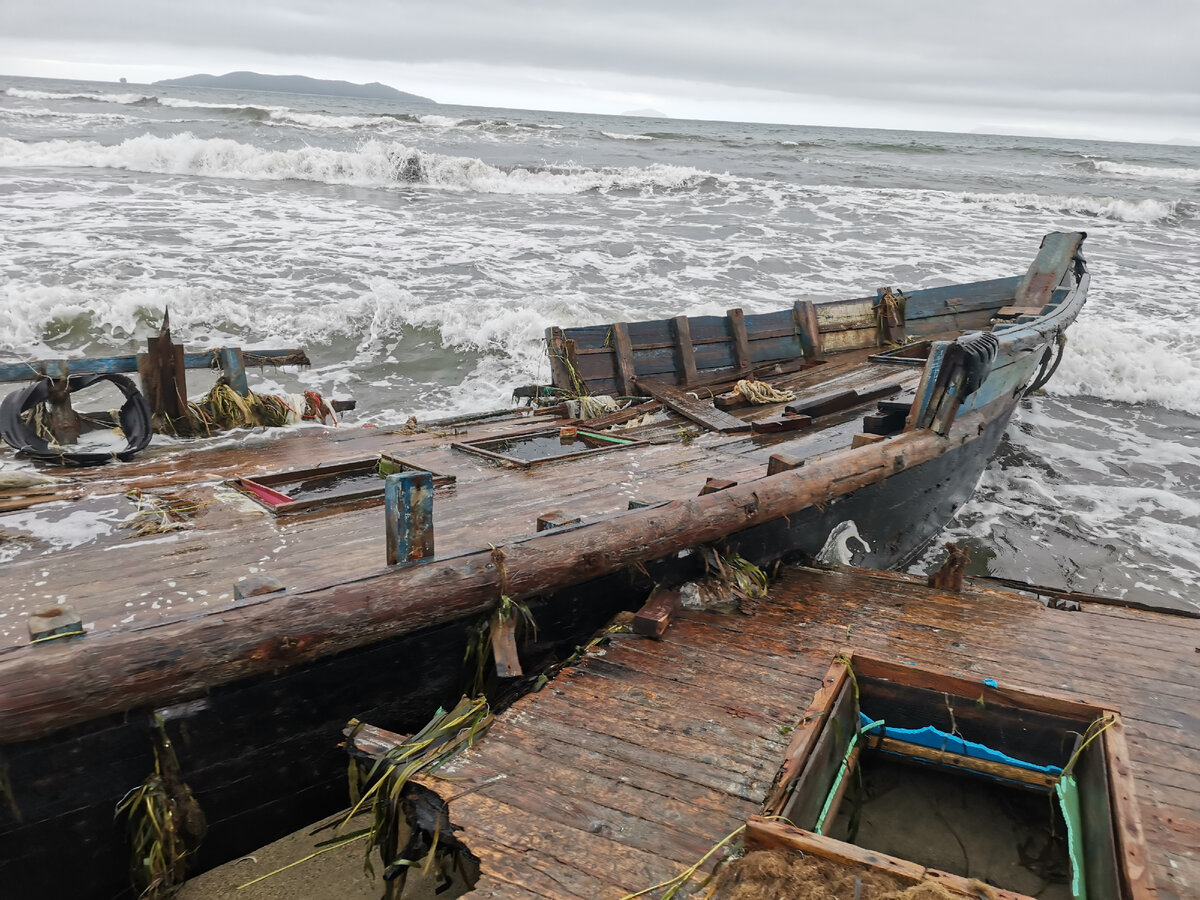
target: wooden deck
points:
(629, 766)
(72, 544)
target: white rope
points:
(592, 407)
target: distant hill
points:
(294, 84)
(645, 114)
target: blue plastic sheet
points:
(937, 739)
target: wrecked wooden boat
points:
(971, 741)
(221, 611)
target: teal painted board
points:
(109, 365)
(408, 513)
(961, 298)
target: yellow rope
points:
(759, 392)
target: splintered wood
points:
(633, 763)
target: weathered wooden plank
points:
(842, 315)
(806, 735)
(575, 849)
(127, 365)
(955, 299)
(812, 785)
(700, 412)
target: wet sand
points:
(334, 875)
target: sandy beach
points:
(336, 874)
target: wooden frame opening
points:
(1072, 752)
(355, 482)
(547, 445)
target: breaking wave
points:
(97, 96)
(1130, 365)
(374, 164)
(1154, 173)
(617, 136)
(1115, 208)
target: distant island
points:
(294, 84)
(645, 114)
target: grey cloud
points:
(1104, 55)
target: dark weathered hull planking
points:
(253, 694)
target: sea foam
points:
(1131, 364)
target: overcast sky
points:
(1102, 68)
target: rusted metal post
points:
(408, 507)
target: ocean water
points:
(418, 252)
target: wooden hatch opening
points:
(546, 445)
(335, 486)
(1038, 786)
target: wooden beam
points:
(783, 462)
(653, 618)
(836, 401)
(804, 314)
(556, 349)
(762, 834)
(712, 485)
(684, 351)
(369, 742)
(973, 689)
(623, 348)
(969, 887)
(780, 424)
(1040, 780)
(699, 411)
(741, 343)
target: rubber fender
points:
(978, 353)
(134, 417)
